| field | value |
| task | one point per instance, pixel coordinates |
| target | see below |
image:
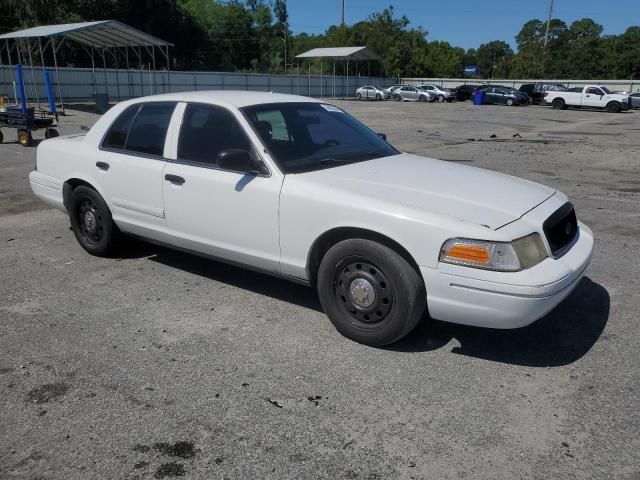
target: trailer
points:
(12, 116)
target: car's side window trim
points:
(123, 150)
(253, 148)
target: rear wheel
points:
(370, 293)
(613, 107)
(397, 98)
(359, 96)
(509, 102)
(51, 133)
(91, 222)
(24, 138)
(423, 98)
(378, 97)
(558, 104)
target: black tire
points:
(441, 98)
(91, 222)
(397, 98)
(509, 102)
(51, 133)
(1, 137)
(423, 98)
(24, 138)
(358, 96)
(613, 107)
(558, 104)
(393, 289)
(378, 97)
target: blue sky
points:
(462, 22)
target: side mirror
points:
(382, 136)
(238, 160)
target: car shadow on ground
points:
(256, 282)
(560, 338)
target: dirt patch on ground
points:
(170, 470)
(178, 449)
(48, 392)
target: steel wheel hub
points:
(90, 221)
(362, 292)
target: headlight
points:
(522, 253)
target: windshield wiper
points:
(332, 161)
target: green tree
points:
(494, 59)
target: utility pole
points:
(342, 17)
(546, 35)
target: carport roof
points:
(100, 34)
(341, 53)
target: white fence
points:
(626, 85)
(80, 84)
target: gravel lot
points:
(163, 364)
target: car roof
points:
(237, 98)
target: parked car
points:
(442, 94)
(369, 92)
(298, 188)
(635, 100)
(536, 90)
(393, 88)
(431, 96)
(411, 94)
(465, 92)
(504, 96)
(591, 96)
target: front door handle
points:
(102, 166)
(175, 179)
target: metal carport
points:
(346, 54)
(103, 36)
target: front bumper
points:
(506, 299)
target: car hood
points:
(466, 193)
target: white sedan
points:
(298, 188)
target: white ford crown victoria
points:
(298, 188)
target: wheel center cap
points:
(90, 221)
(362, 292)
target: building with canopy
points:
(108, 40)
(344, 54)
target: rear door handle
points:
(102, 166)
(175, 179)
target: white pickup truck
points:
(591, 96)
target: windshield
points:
(303, 137)
(606, 90)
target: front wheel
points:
(441, 98)
(358, 96)
(509, 102)
(370, 293)
(558, 104)
(91, 222)
(397, 98)
(378, 97)
(613, 107)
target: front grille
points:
(561, 229)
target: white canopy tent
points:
(346, 54)
(103, 36)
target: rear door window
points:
(149, 130)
